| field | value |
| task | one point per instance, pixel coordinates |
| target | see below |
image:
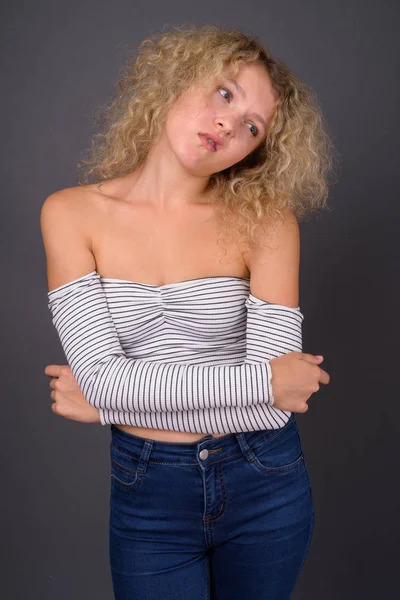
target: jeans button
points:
(203, 454)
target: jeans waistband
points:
(221, 448)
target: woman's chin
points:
(198, 168)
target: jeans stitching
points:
(295, 465)
(126, 486)
(222, 481)
(137, 473)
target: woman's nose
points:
(224, 125)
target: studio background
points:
(60, 62)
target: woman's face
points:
(235, 110)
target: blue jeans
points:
(227, 518)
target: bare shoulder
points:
(274, 235)
(69, 203)
(65, 221)
(274, 260)
(82, 207)
(89, 201)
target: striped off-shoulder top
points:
(189, 356)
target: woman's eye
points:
(228, 97)
(226, 92)
(254, 131)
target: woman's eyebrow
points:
(241, 91)
(237, 86)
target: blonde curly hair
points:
(287, 171)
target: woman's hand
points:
(295, 377)
(69, 402)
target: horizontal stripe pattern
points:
(190, 356)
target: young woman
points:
(192, 350)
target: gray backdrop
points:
(59, 62)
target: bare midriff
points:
(129, 237)
(165, 436)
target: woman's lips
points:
(206, 143)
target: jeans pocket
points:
(279, 453)
(125, 470)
